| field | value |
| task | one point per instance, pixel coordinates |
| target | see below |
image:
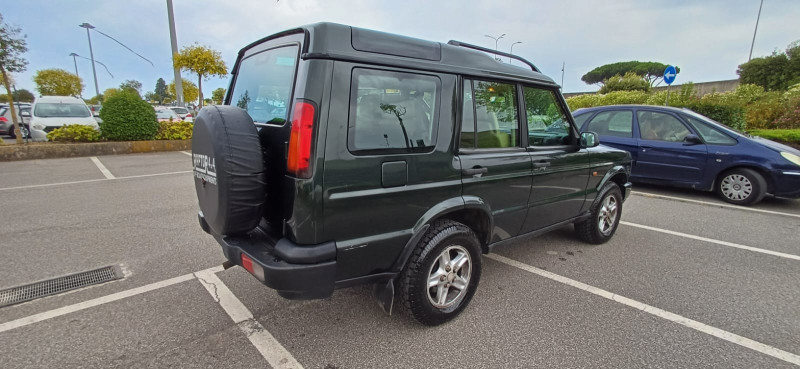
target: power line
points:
(123, 45)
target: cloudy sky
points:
(707, 39)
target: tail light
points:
(3, 119)
(299, 160)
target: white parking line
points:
(21, 322)
(743, 208)
(711, 240)
(187, 153)
(675, 318)
(276, 355)
(93, 180)
(102, 168)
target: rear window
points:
(47, 110)
(166, 114)
(180, 110)
(264, 84)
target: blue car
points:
(681, 148)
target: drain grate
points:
(15, 295)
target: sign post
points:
(669, 77)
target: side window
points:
(496, 119)
(709, 134)
(547, 121)
(660, 127)
(613, 123)
(468, 118)
(392, 112)
(580, 119)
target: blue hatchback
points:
(679, 147)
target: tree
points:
(161, 90)
(21, 95)
(629, 82)
(190, 91)
(217, 95)
(775, 72)
(204, 62)
(12, 46)
(110, 92)
(57, 82)
(95, 100)
(651, 72)
(131, 85)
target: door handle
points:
(645, 147)
(541, 164)
(475, 171)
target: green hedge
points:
(179, 130)
(126, 117)
(783, 135)
(74, 133)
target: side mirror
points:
(691, 139)
(25, 114)
(589, 139)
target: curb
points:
(71, 150)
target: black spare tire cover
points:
(228, 169)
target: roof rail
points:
(490, 51)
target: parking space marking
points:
(21, 322)
(102, 168)
(675, 318)
(657, 196)
(187, 153)
(93, 180)
(276, 355)
(711, 240)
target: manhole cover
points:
(31, 291)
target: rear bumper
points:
(296, 272)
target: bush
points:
(126, 117)
(74, 133)
(611, 98)
(790, 136)
(179, 130)
(791, 117)
(728, 114)
(629, 82)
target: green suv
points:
(344, 156)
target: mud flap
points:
(384, 292)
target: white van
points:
(51, 112)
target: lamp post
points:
(496, 40)
(173, 39)
(755, 30)
(74, 61)
(512, 50)
(91, 54)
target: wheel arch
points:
(757, 168)
(617, 174)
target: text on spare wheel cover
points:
(204, 168)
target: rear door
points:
(495, 167)
(663, 155)
(560, 167)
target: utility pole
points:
(754, 31)
(174, 40)
(496, 39)
(74, 61)
(91, 55)
(512, 50)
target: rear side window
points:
(547, 122)
(709, 134)
(264, 84)
(392, 112)
(490, 115)
(613, 123)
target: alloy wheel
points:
(449, 277)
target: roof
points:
(58, 99)
(342, 42)
(605, 107)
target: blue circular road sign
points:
(669, 74)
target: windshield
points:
(264, 83)
(180, 110)
(48, 110)
(166, 114)
(715, 123)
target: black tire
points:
(413, 292)
(13, 134)
(741, 186)
(590, 230)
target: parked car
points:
(165, 115)
(7, 124)
(182, 112)
(95, 109)
(681, 148)
(378, 158)
(51, 112)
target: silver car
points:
(7, 124)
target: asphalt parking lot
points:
(686, 282)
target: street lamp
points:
(496, 39)
(755, 30)
(512, 50)
(91, 54)
(74, 61)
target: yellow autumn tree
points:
(189, 90)
(203, 61)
